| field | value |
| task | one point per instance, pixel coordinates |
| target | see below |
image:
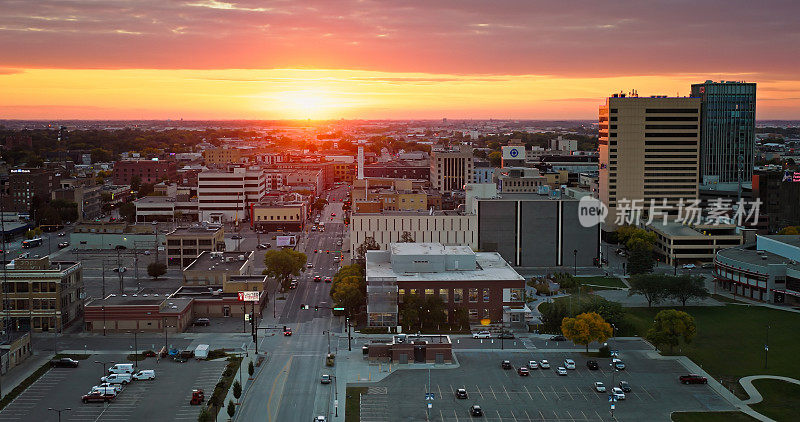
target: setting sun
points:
(306, 104)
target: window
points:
(444, 295)
(485, 295)
(473, 314)
(412, 291)
(429, 292)
(401, 293)
(486, 313)
(517, 294)
(458, 295)
(473, 295)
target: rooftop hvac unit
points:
(241, 257)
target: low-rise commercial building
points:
(682, 244)
(185, 244)
(216, 268)
(446, 227)
(278, 215)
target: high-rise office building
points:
(451, 169)
(649, 149)
(728, 130)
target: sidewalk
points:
(19, 373)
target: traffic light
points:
(316, 307)
(303, 306)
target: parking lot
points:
(544, 395)
(165, 398)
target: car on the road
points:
(145, 374)
(625, 386)
(506, 364)
(475, 410)
(618, 393)
(264, 246)
(532, 364)
(61, 234)
(236, 237)
(558, 338)
(482, 334)
(317, 279)
(506, 334)
(328, 279)
(64, 363)
(315, 251)
(63, 245)
(97, 397)
(325, 379)
(320, 419)
(333, 214)
(688, 266)
(147, 252)
(561, 370)
(461, 393)
(569, 363)
(618, 364)
(544, 364)
(592, 364)
(287, 332)
(523, 371)
(202, 321)
(293, 285)
(120, 269)
(599, 387)
(309, 265)
(693, 379)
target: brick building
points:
(149, 171)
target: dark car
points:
(592, 364)
(461, 393)
(506, 334)
(693, 379)
(523, 371)
(475, 410)
(97, 397)
(236, 237)
(625, 386)
(506, 364)
(149, 354)
(317, 279)
(64, 363)
(293, 285)
(558, 338)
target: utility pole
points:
(766, 349)
(103, 260)
(119, 272)
(136, 266)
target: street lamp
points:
(66, 409)
(575, 263)
(136, 349)
(104, 364)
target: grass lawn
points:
(730, 340)
(711, 417)
(781, 399)
(352, 406)
(602, 281)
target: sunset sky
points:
(260, 59)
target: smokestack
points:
(360, 162)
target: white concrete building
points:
(226, 196)
(446, 227)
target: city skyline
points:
(212, 59)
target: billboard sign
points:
(286, 240)
(248, 296)
(516, 152)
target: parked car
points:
(198, 396)
(625, 386)
(117, 379)
(688, 266)
(533, 365)
(236, 237)
(693, 379)
(106, 388)
(97, 397)
(482, 334)
(475, 410)
(325, 379)
(592, 364)
(599, 387)
(145, 374)
(461, 393)
(320, 419)
(121, 368)
(64, 363)
(147, 252)
(544, 364)
(569, 363)
(561, 370)
(618, 393)
(202, 321)
(505, 364)
(120, 270)
(558, 338)
(149, 354)
(506, 334)
(523, 371)
(618, 364)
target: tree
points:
(369, 244)
(349, 295)
(687, 287)
(136, 183)
(653, 287)
(640, 260)
(206, 416)
(319, 204)
(282, 264)
(586, 328)
(790, 230)
(407, 237)
(145, 189)
(461, 318)
(231, 408)
(251, 369)
(156, 269)
(128, 211)
(552, 315)
(495, 158)
(35, 232)
(670, 327)
(237, 389)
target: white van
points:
(145, 374)
(117, 379)
(201, 352)
(121, 368)
(109, 390)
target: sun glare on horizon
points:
(307, 104)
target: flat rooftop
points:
(490, 267)
(219, 261)
(412, 213)
(129, 300)
(428, 249)
(748, 254)
(195, 231)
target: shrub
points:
(216, 354)
(250, 368)
(231, 408)
(237, 390)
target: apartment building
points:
(148, 171)
(449, 228)
(185, 244)
(226, 196)
(26, 183)
(43, 295)
(451, 169)
(649, 150)
(222, 156)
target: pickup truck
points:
(97, 397)
(64, 363)
(693, 379)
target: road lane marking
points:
(283, 374)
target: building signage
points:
(248, 296)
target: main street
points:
(288, 388)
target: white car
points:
(618, 364)
(618, 393)
(599, 387)
(309, 265)
(561, 370)
(569, 363)
(544, 364)
(533, 365)
(320, 419)
(482, 334)
(117, 388)
(145, 374)
(689, 266)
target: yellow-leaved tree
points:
(586, 328)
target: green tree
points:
(231, 408)
(35, 232)
(349, 294)
(671, 327)
(407, 237)
(495, 158)
(282, 264)
(369, 244)
(461, 318)
(552, 315)
(687, 287)
(156, 269)
(586, 328)
(640, 260)
(128, 211)
(237, 389)
(136, 183)
(251, 369)
(654, 287)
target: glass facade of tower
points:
(728, 130)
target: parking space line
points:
(507, 395)
(498, 415)
(570, 394)
(528, 391)
(582, 394)
(542, 392)
(440, 391)
(648, 393)
(598, 415)
(492, 390)
(479, 391)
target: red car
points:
(288, 332)
(317, 279)
(328, 279)
(523, 371)
(149, 354)
(693, 379)
(97, 397)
